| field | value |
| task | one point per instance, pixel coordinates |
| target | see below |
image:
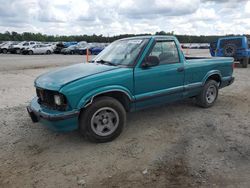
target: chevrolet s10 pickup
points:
(129, 75)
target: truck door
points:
(162, 83)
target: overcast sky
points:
(112, 17)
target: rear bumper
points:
(56, 120)
(227, 81)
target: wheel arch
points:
(122, 95)
(212, 75)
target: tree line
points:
(28, 36)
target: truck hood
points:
(55, 80)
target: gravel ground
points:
(176, 145)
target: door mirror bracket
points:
(151, 61)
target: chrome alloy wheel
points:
(211, 94)
(104, 121)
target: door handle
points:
(180, 69)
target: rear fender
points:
(211, 73)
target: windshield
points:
(121, 52)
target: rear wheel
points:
(48, 52)
(208, 95)
(5, 51)
(103, 120)
(244, 62)
(30, 52)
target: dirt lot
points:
(176, 145)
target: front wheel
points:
(103, 120)
(208, 95)
(48, 52)
(5, 51)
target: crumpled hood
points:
(55, 80)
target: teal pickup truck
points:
(129, 75)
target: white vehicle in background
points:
(19, 48)
(38, 49)
(5, 48)
(29, 44)
(15, 48)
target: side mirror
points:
(151, 61)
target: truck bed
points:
(196, 57)
(190, 59)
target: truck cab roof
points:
(167, 37)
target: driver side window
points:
(166, 52)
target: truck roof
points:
(231, 37)
(152, 36)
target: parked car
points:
(96, 50)
(237, 47)
(59, 47)
(6, 46)
(69, 50)
(129, 75)
(20, 47)
(90, 47)
(15, 48)
(74, 49)
(38, 49)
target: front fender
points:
(210, 73)
(88, 97)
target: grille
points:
(46, 98)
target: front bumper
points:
(56, 120)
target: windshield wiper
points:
(106, 62)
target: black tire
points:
(48, 52)
(30, 52)
(5, 51)
(244, 62)
(202, 99)
(229, 50)
(87, 116)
